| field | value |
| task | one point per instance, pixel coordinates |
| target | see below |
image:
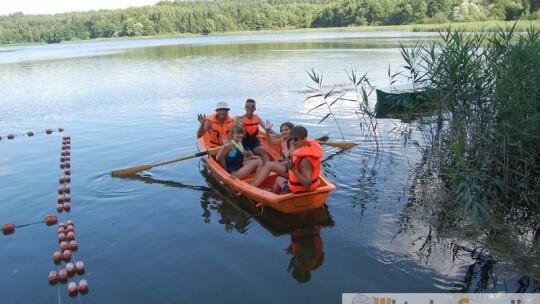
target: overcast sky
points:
(62, 6)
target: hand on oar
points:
(136, 169)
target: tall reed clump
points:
(483, 137)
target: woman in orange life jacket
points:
(235, 159)
(251, 125)
(217, 125)
(305, 166)
(277, 166)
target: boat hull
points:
(285, 203)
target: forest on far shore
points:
(214, 16)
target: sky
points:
(62, 6)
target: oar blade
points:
(339, 144)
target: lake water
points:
(170, 235)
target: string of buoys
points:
(31, 133)
(66, 232)
(9, 227)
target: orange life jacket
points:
(307, 249)
(219, 131)
(313, 152)
(251, 125)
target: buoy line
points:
(30, 133)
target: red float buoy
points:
(68, 164)
(67, 198)
(83, 286)
(64, 246)
(72, 289)
(53, 277)
(60, 129)
(61, 190)
(30, 133)
(70, 268)
(79, 267)
(61, 230)
(70, 223)
(68, 153)
(66, 255)
(67, 207)
(73, 245)
(48, 131)
(61, 237)
(67, 172)
(70, 228)
(51, 219)
(61, 224)
(67, 179)
(70, 236)
(67, 189)
(59, 208)
(8, 228)
(57, 257)
(10, 136)
(62, 275)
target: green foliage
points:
(485, 132)
(205, 17)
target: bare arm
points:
(204, 126)
(266, 126)
(304, 175)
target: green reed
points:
(483, 133)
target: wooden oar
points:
(133, 170)
(338, 144)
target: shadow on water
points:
(237, 213)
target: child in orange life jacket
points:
(277, 166)
(235, 159)
(217, 125)
(251, 125)
(305, 166)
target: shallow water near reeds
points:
(171, 234)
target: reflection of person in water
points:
(307, 251)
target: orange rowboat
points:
(285, 203)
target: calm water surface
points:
(169, 235)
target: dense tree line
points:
(204, 17)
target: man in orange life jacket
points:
(305, 165)
(217, 125)
(251, 124)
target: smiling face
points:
(238, 135)
(222, 114)
(284, 130)
(250, 107)
(298, 136)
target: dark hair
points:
(290, 125)
(299, 132)
(250, 100)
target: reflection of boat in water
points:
(286, 203)
(306, 246)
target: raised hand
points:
(201, 118)
(268, 125)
